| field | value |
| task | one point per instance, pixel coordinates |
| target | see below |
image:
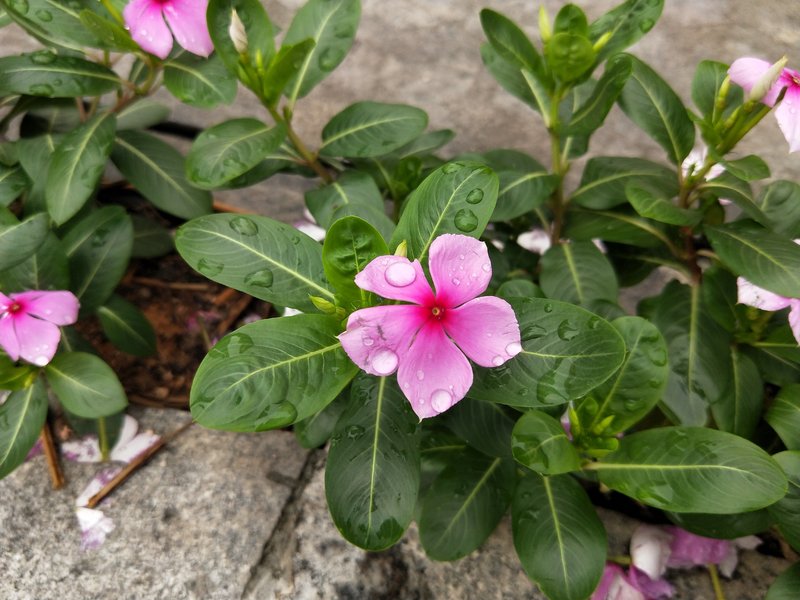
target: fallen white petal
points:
(95, 527)
(96, 484)
(650, 550)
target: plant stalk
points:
(52, 458)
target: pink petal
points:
(746, 72)
(95, 527)
(83, 450)
(396, 278)
(8, 337)
(485, 329)
(187, 19)
(460, 268)
(610, 572)
(622, 589)
(794, 319)
(789, 118)
(650, 550)
(651, 588)
(5, 302)
(752, 295)
(689, 550)
(377, 338)
(433, 374)
(58, 307)
(38, 340)
(147, 26)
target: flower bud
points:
(238, 33)
(544, 24)
(402, 249)
(325, 306)
(602, 41)
(767, 80)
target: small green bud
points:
(574, 422)
(402, 249)
(767, 80)
(602, 41)
(238, 33)
(545, 29)
(603, 425)
(323, 305)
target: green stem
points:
(309, 157)
(715, 582)
(102, 439)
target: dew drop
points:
(466, 220)
(260, 278)
(498, 360)
(420, 374)
(475, 196)
(450, 168)
(441, 400)
(567, 331)
(354, 432)
(513, 348)
(486, 267)
(400, 274)
(456, 281)
(329, 58)
(384, 361)
(40, 361)
(548, 308)
(533, 332)
(244, 225)
(44, 57)
(367, 341)
(21, 6)
(41, 89)
(208, 267)
(44, 15)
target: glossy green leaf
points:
(350, 245)
(540, 443)
(373, 469)
(724, 527)
(719, 296)
(142, 114)
(780, 202)
(621, 226)
(259, 30)
(651, 203)
(53, 22)
(708, 79)
(571, 19)
(46, 74)
(109, 34)
(317, 429)
(426, 143)
(569, 56)
(98, 248)
(15, 377)
(285, 65)
(22, 417)
(739, 408)
(627, 23)
(577, 273)
(34, 156)
(508, 75)
(45, 269)
(199, 81)
(566, 352)
(519, 288)
(748, 168)
(85, 385)
(374, 216)
(126, 327)
(786, 511)
(763, 257)
(784, 416)
(13, 182)
(150, 239)
(458, 197)
(485, 426)
(738, 191)
(331, 25)
(230, 149)
(676, 468)
(510, 42)
(464, 504)
(351, 188)
(785, 585)
(777, 357)
(605, 178)
(522, 192)
(256, 255)
(156, 169)
(271, 373)
(367, 129)
(19, 241)
(77, 166)
(591, 114)
(658, 111)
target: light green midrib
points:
(76, 382)
(762, 253)
(28, 399)
(146, 159)
(301, 74)
(573, 271)
(112, 315)
(469, 499)
(621, 373)
(62, 71)
(693, 325)
(667, 124)
(521, 180)
(220, 155)
(557, 529)
(374, 459)
(600, 181)
(364, 126)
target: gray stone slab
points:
(189, 525)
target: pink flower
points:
(752, 295)
(186, 18)
(616, 584)
(749, 72)
(29, 323)
(419, 340)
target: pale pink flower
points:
(752, 295)
(426, 342)
(186, 19)
(29, 323)
(748, 72)
(130, 444)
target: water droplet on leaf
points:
(244, 226)
(475, 196)
(466, 220)
(261, 278)
(209, 267)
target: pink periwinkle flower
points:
(29, 323)
(747, 72)
(617, 584)
(752, 295)
(426, 341)
(186, 18)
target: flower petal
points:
(752, 295)
(485, 329)
(650, 550)
(689, 550)
(8, 337)
(788, 117)
(433, 374)
(747, 71)
(610, 572)
(377, 338)
(187, 19)
(147, 26)
(651, 588)
(38, 340)
(57, 307)
(460, 268)
(95, 526)
(396, 278)
(794, 319)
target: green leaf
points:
(230, 149)
(724, 527)
(458, 197)
(367, 129)
(21, 240)
(571, 19)
(22, 415)
(519, 288)
(784, 416)
(508, 75)
(332, 26)
(621, 226)
(777, 357)
(425, 144)
(373, 469)
(351, 188)
(577, 272)
(739, 408)
(605, 178)
(786, 511)
(673, 468)
(738, 191)
(77, 165)
(46, 74)
(34, 156)
(510, 42)
(199, 81)
(283, 67)
(785, 585)
(256, 255)
(375, 216)
(656, 108)
(150, 240)
(156, 169)
(464, 504)
(350, 244)
(763, 257)
(558, 536)
(708, 79)
(650, 203)
(13, 182)
(627, 23)
(317, 429)
(569, 56)
(85, 385)
(13, 377)
(566, 352)
(637, 386)
(698, 351)
(46, 269)
(485, 426)
(719, 295)
(271, 373)
(592, 113)
(748, 168)
(540, 443)
(142, 114)
(109, 34)
(259, 29)
(126, 327)
(53, 22)
(99, 248)
(521, 192)
(780, 203)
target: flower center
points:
(14, 308)
(437, 312)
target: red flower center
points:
(438, 313)
(14, 307)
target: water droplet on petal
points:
(498, 360)
(384, 361)
(400, 274)
(486, 267)
(456, 281)
(367, 341)
(441, 400)
(40, 361)
(513, 349)
(420, 374)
